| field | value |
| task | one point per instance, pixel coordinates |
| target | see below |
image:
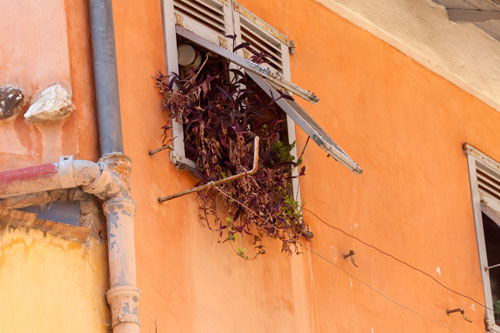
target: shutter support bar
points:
(220, 181)
(248, 65)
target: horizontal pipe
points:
(94, 178)
(97, 179)
(29, 180)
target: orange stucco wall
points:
(402, 123)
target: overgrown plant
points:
(222, 110)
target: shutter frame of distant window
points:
(479, 163)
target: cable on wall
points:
(396, 259)
(349, 274)
(378, 291)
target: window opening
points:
(492, 242)
(179, 20)
(223, 111)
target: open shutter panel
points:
(247, 64)
(304, 121)
(294, 110)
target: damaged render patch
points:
(11, 101)
(53, 104)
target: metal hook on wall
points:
(462, 311)
(351, 255)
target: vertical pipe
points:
(106, 76)
(123, 296)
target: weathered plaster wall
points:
(44, 44)
(460, 52)
(49, 284)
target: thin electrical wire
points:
(383, 252)
(378, 291)
(396, 259)
(343, 270)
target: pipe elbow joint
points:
(94, 178)
(107, 184)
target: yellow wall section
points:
(49, 284)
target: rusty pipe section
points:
(123, 296)
(94, 178)
(108, 180)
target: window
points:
(206, 23)
(485, 188)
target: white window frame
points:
(170, 19)
(481, 203)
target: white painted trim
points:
(473, 158)
(460, 52)
(177, 155)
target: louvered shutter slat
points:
(195, 10)
(488, 182)
(205, 17)
(256, 46)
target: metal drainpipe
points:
(123, 296)
(100, 180)
(106, 76)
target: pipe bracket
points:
(124, 302)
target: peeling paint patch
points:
(126, 308)
(473, 307)
(438, 270)
(11, 101)
(350, 282)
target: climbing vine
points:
(222, 110)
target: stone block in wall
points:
(53, 104)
